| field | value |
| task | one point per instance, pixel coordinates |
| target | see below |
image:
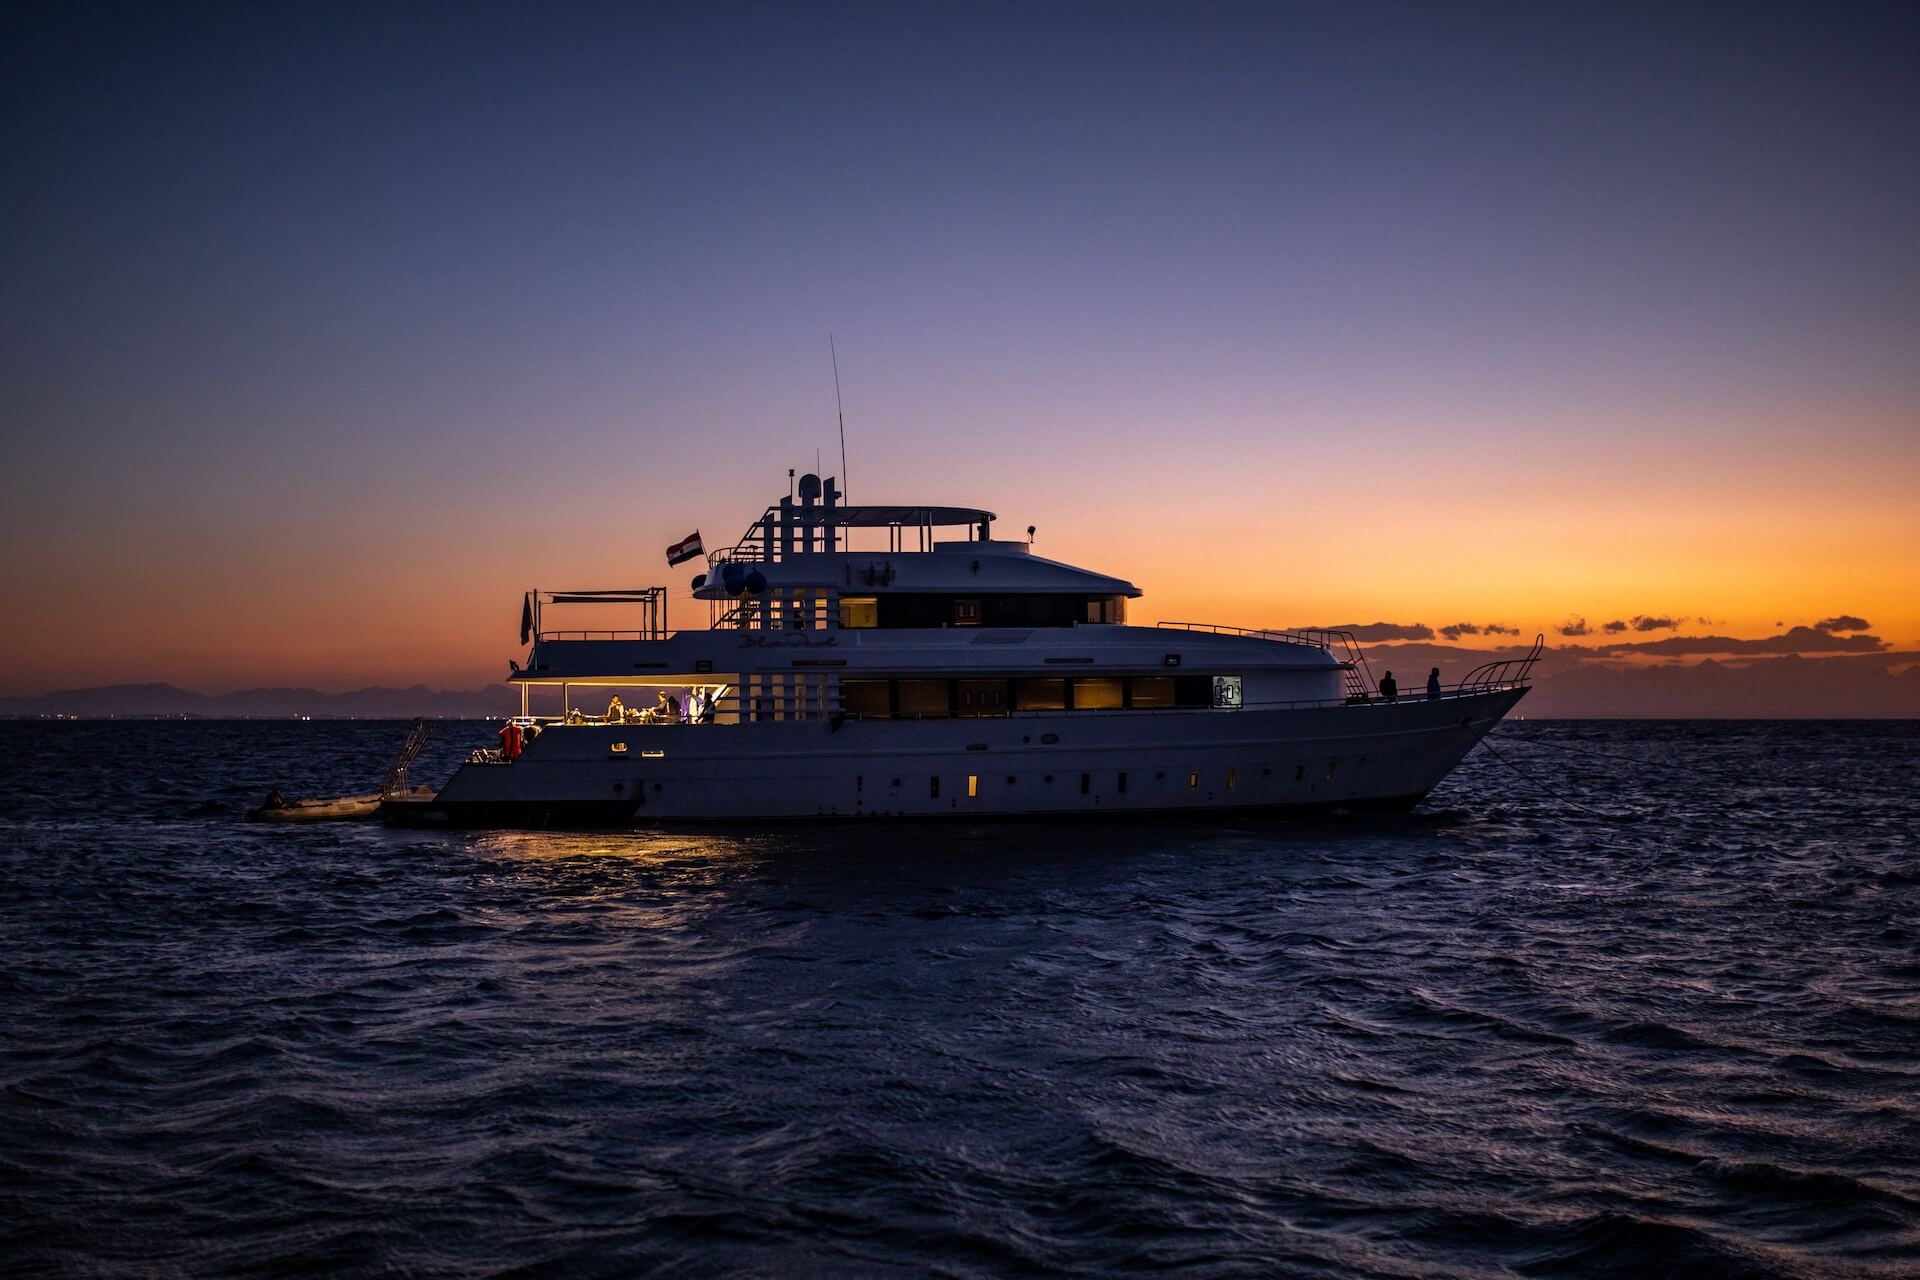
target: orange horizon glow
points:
(307, 603)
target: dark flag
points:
(526, 617)
(685, 549)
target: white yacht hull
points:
(1025, 765)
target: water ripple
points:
(1657, 1020)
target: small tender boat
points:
(278, 808)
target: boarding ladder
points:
(395, 783)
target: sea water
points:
(1623, 999)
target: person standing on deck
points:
(1433, 685)
(1389, 687)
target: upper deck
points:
(804, 549)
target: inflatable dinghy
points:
(343, 809)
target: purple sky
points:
(331, 328)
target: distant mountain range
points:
(1570, 684)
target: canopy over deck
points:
(882, 517)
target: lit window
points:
(859, 611)
(618, 748)
(1152, 691)
(1046, 694)
(1096, 693)
(924, 699)
(1232, 774)
(982, 697)
(1193, 782)
(973, 786)
(1226, 691)
(966, 613)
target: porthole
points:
(618, 748)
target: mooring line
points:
(1590, 751)
(1572, 804)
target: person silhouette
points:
(1389, 687)
(1433, 685)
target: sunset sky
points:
(326, 335)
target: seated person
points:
(616, 713)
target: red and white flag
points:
(685, 549)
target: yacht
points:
(903, 662)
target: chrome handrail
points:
(1506, 672)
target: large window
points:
(1097, 693)
(865, 698)
(924, 699)
(859, 611)
(917, 609)
(1040, 695)
(1151, 691)
(980, 697)
(973, 697)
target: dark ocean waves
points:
(1625, 1000)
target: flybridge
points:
(819, 522)
(801, 567)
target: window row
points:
(917, 610)
(971, 697)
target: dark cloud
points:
(1374, 631)
(1843, 622)
(1459, 629)
(1795, 640)
(1615, 627)
(1495, 629)
(1644, 623)
(1575, 627)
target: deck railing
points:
(1356, 675)
(1507, 672)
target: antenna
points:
(841, 410)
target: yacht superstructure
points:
(902, 662)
